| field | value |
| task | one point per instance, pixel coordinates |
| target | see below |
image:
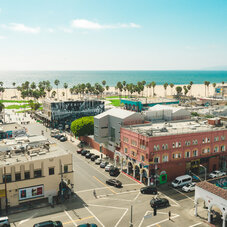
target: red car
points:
(79, 151)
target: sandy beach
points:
(197, 90)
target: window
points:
(203, 141)
(187, 143)
(51, 171)
(216, 139)
(187, 154)
(173, 145)
(208, 140)
(206, 150)
(222, 137)
(125, 139)
(27, 175)
(8, 178)
(17, 176)
(195, 142)
(158, 148)
(126, 150)
(133, 153)
(134, 143)
(142, 158)
(215, 149)
(195, 153)
(37, 173)
(165, 158)
(163, 146)
(156, 160)
(155, 148)
(176, 144)
(112, 134)
(223, 148)
(173, 155)
(142, 146)
(66, 169)
(179, 155)
(179, 144)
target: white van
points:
(181, 181)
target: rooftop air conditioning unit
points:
(33, 155)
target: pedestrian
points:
(94, 193)
(169, 215)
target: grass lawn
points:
(10, 107)
(117, 97)
(115, 102)
(17, 101)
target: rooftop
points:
(116, 112)
(150, 100)
(173, 128)
(31, 155)
(10, 127)
(165, 107)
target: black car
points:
(58, 136)
(88, 225)
(114, 171)
(94, 157)
(159, 202)
(88, 155)
(114, 182)
(63, 139)
(149, 190)
(84, 152)
(49, 224)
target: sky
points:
(113, 34)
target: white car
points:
(217, 173)
(107, 168)
(4, 221)
(189, 187)
(98, 161)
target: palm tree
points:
(119, 87)
(2, 89)
(178, 90)
(189, 87)
(205, 84)
(1, 107)
(208, 84)
(104, 83)
(53, 94)
(65, 86)
(14, 84)
(124, 86)
(153, 84)
(171, 85)
(56, 82)
(185, 90)
(49, 88)
(165, 85)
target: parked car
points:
(107, 168)
(159, 202)
(94, 157)
(98, 161)
(114, 182)
(84, 152)
(114, 171)
(149, 190)
(103, 164)
(181, 181)
(88, 155)
(189, 187)
(79, 150)
(63, 139)
(88, 225)
(4, 221)
(49, 224)
(217, 173)
(58, 136)
(82, 144)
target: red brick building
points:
(174, 148)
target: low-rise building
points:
(172, 148)
(11, 130)
(36, 173)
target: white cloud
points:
(50, 30)
(66, 30)
(22, 28)
(2, 37)
(86, 24)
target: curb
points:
(131, 177)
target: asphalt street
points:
(111, 206)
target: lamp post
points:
(205, 171)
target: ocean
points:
(112, 77)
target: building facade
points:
(172, 149)
(34, 174)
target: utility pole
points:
(6, 199)
(131, 224)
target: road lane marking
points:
(121, 218)
(82, 219)
(70, 218)
(105, 185)
(167, 219)
(183, 194)
(25, 220)
(96, 205)
(196, 224)
(143, 218)
(94, 216)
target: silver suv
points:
(4, 221)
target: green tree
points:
(34, 105)
(171, 85)
(57, 82)
(53, 94)
(83, 126)
(119, 87)
(178, 90)
(1, 106)
(165, 85)
(153, 84)
(65, 86)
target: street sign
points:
(148, 216)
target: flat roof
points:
(37, 154)
(172, 128)
(10, 127)
(116, 112)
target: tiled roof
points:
(221, 192)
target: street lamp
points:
(205, 171)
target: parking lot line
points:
(167, 219)
(121, 218)
(183, 194)
(70, 218)
(82, 219)
(105, 185)
(94, 216)
(196, 224)
(136, 197)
